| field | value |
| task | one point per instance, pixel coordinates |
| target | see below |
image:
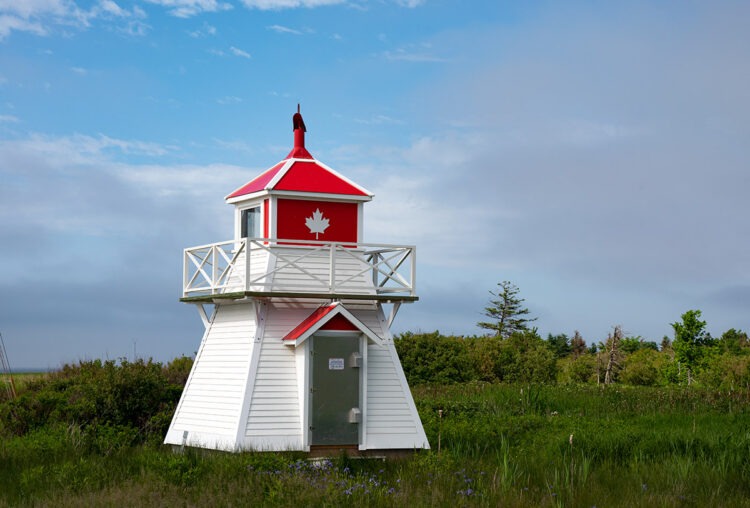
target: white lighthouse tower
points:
(297, 352)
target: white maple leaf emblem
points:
(317, 223)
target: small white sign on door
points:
(335, 364)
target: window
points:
(251, 223)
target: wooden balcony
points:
(263, 267)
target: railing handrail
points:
(215, 268)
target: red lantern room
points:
(300, 198)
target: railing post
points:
(247, 263)
(374, 263)
(214, 268)
(413, 270)
(185, 276)
(332, 267)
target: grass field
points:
(500, 445)
(20, 379)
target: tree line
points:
(513, 351)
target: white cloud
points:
(112, 8)
(10, 23)
(284, 30)
(212, 181)
(108, 9)
(133, 146)
(239, 52)
(79, 70)
(288, 4)
(87, 224)
(615, 145)
(40, 17)
(8, 119)
(189, 8)
(135, 28)
(408, 210)
(32, 8)
(132, 21)
(233, 50)
(79, 148)
(229, 99)
(413, 53)
(103, 151)
(87, 190)
(410, 3)
(379, 120)
(204, 31)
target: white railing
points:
(287, 266)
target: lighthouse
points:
(297, 352)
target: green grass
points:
(500, 445)
(20, 379)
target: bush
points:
(727, 371)
(577, 370)
(125, 401)
(642, 368)
(434, 358)
(534, 362)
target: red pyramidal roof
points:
(300, 172)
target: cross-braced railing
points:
(287, 266)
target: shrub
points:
(536, 363)
(577, 370)
(642, 368)
(727, 371)
(434, 358)
(117, 401)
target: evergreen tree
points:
(559, 344)
(577, 345)
(506, 311)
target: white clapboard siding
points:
(391, 417)
(369, 315)
(297, 269)
(385, 395)
(212, 398)
(258, 268)
(274, 421)
(247, 389)
(312, 272)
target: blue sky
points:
(595, 154)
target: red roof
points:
(310, 321)
(334, 316)
(300, 172)
(259, 183)
(312, 177)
